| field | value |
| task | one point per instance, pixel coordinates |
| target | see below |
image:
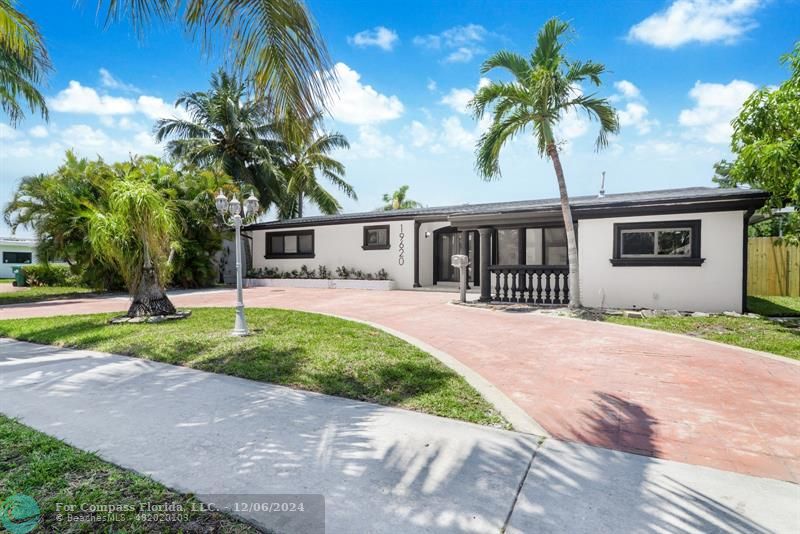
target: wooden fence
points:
(772, 269)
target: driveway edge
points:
(519, 419)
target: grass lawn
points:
(774, 306)
(52, 472)
(34, 294)
(748, 332)
(303, 350)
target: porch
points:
(524, 262)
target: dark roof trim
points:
(624, 204)
(276, 225)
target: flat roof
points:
(696, 196)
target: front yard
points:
(58, 477)
(303, 350)
(758, 333)
(14, 295)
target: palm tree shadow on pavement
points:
(580, 488)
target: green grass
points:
(748, 332)
(52, 472)
(35, 294)
(774, 306)
(302, 350)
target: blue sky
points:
(678, 73)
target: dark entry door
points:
(447, 243)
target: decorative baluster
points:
(496, 284)
(505, 285)
(547, 296)
(557, 289)
(514, 273)
(530, 287)
(538, 287)
(565, 296)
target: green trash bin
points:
(19, 276)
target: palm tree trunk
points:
(149, 298)
(566, 212)
(300, 204)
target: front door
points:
(447, 242)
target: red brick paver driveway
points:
(622, 388)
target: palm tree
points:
(136, 232)
(305, 154)
(23, 63)
(544, 89)
(398, 200)
(274, 43)
(229, 130)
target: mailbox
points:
(461, 262)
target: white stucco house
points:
(681, 249)
(15, 252)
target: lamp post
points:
(231, 213)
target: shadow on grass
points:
(771, 307)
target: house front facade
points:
(15, 252)
(681, 249)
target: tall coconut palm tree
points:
(228, 129)
(275, 44)
(136, 233)
(398, 200)
(544, 89)
(23, 63)
(305, 156)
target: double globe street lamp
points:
(231, 212)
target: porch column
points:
(486, 282)
(465, 248)
(416, 253)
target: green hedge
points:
(40, 274)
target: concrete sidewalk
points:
(380, 469)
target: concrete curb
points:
(519, 419)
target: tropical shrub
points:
(321, 273)
(59, 207)
(49, 274)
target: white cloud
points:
(155, 108)
(79, 99)
(357, 103)
(431, 85)
(8, 133)
(421, 135)
(715, 106)
(464, 42)
(39, 131)
(662, 149)
(703, 21)
(635, 114)
(379, 36)
(455, 135)
(84, 136)
(372, 143)
(627, 89)
(458, 99)
(108, 80)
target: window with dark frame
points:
(17, 257)
(376, 237)
(298, 244)
(657, 243)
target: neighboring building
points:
(679, 249)
(15, 252)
